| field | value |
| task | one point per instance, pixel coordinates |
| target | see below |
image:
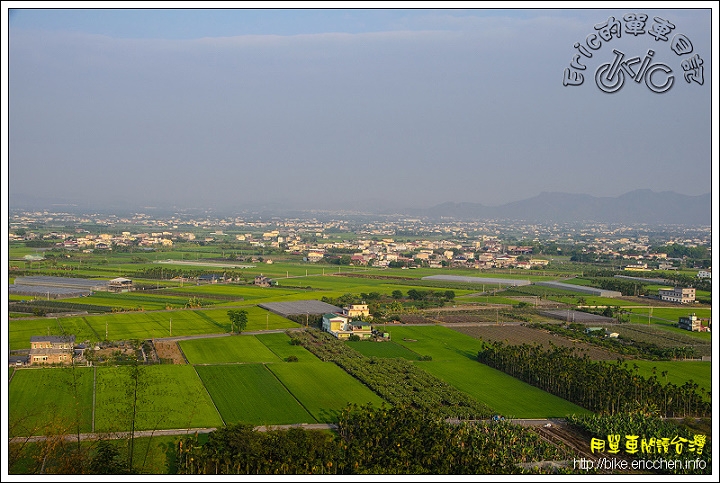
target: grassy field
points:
(678, 372)
(223, 350)
(168, 396)
(454, 360)
(251, 394)
(141, 325)
(280, 345)
(323, 388)
(51, 400)
(383, 349)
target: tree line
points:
(370, 440)
(605, 388)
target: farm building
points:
(47, 292)
(64, 282)
(356, 310)
(57, 287)
(679, 295)
(343, 327)
(479, 280)
(577, 316)
(210, 278)
(582, 289)
(120, 284)
(692, 323)
(51, 349)
(262, 281)
(300, 307)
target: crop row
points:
(396, 380)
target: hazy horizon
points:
(345, 108)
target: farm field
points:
(435, 341)
(519, 334)
(509, 396)
(662, 337)
(226, 350)
(34, 394)
(678, 372)
(133, 300)
(141, 325)
(280, 345)
(169, 396)
(251, 394)
(383, 349)
(454, 360)
(323, 388)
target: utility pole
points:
(267, 321)
(170, 326)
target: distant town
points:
(380, 242)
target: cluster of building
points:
(374, 236)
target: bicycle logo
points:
(610, 77)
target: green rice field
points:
(383, 349)
(251, 394)
(678, 372)
(34, 394)
(279, 344)
(454, 361)
(169, 396)
(224, 350)
(323, 388)
(141, 325)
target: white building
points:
(677, 295)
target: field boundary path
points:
(164, 432)
(189, 431)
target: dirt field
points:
(518, 335)
(169, 350)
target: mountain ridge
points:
(637, 206)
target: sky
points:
(353, 108)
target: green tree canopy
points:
(238, 319)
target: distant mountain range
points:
(639, 206)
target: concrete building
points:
(691, 323)
(679, 295)
(51, 349)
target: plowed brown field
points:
(519, 334)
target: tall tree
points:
(239, 319)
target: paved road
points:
(164, 432)
(190, 431)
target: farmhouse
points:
(209, 278)
(51, 349)
(692, 323)
(678, 295)
(262, 281)
(356, 310)
(120, 284)
(343, 327)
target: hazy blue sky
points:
(347, 107)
